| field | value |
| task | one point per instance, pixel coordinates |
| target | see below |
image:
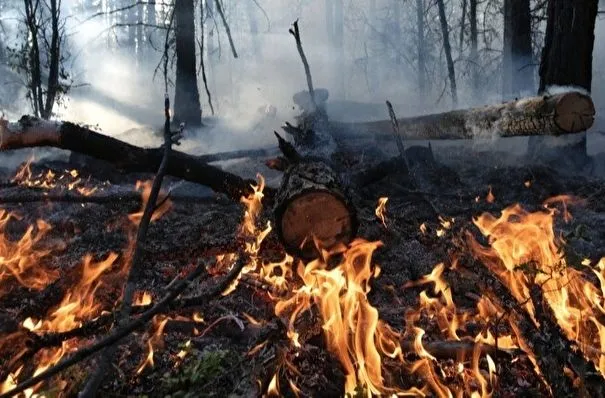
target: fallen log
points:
(559, 114)
(32, 132)
(311, 206)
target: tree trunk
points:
(566, 113)
(54, 53)
(312, 207)
(421, 46)
(462, 26)
(568, 45)
(474, 56)
(187, 107)
(566, 61)
(339, 47)
(517, 69)
(445, 33)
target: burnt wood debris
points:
(272, 290)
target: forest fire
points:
(523, 251)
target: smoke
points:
(116, 90)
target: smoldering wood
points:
(311, 204)
(32, 132)
(558, 114)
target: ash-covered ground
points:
(218, 360)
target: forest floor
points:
(239, 355)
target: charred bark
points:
(32, 132)
(517, 63)
(445, 33)
(567, 52)
(187, 107)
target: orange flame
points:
(381, 209)
(156, 340)
(145, 188)
(21, 259)
(524, 250)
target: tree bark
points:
(559, 114)
(421, 46)
(517, 74)
(312, 207)
(474, 56)
(568, 45)
(566, 61)
(33, 132)
(187, 107)
(445, 33)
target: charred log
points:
(33, 132)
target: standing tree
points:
(40, 56)
(421, 47)
(567, 61)
(567, 53)
(445, 32)
(474, 57)
(517, 70)
(187, 107)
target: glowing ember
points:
(490, 198)
(380, 210)
(50, 180)
(142, 298)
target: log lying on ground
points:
(311, 204)
(32, 132)
(565, 113)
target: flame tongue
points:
(351, 326)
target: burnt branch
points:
(296, 33)
(95, 380)
(112, 338)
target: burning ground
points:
(478, 280)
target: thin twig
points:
(296, 33)
(202, 64)
(95, 380)
(397, 134)
(219, 8)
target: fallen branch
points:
(90, 390)
(32, 132)
(113, 337)
(592, 381)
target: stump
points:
(312, 208)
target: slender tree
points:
(421, 46)
(187, 107)
(445, 33)
(474, 56)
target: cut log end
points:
(574, 112)
(316, 218)
(312, 210)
